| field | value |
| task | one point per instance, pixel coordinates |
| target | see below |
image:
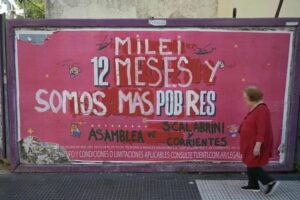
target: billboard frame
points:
(2, 78)
(11, 114)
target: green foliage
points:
(297, 166)
(32, 8)
(183, 172)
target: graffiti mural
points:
(143, 95)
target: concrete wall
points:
(169, 8)
(131, 8)
(258, 8)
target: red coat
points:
(256, 126)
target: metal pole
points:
(25, 10)
(234, 11)
(4, 99)
(278, 8)
(2, 78)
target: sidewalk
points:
(139, 186)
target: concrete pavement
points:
(139, 186)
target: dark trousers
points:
(256, 174)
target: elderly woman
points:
(256, 141)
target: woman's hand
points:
(256, 150)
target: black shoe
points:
(271, 187)
(251, 188)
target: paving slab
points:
(137, 186)
(231, 190)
